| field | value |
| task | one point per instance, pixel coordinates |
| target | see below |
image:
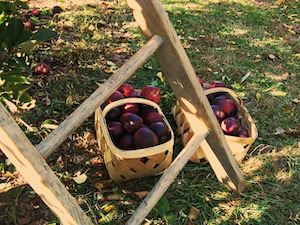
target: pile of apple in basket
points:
(135, 125)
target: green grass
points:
(224, 40)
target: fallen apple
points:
(42, 68)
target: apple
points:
(35, 12)
(144, 137)
(116, 95)
(151, 92)
(113, 115)
(131, 122)
(42, 68)
(227, 105)
(126, 142)
(145, 110)
(218, 112)
(134, 94)
(153, 117)
(27, 15)
(116, 130)
(217, 84)
(231, 126)
(130, 107)
(161, 130)
(243, 133)
(24, 19)
(29, 25)
(126, 89)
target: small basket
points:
(124, 165)
(239, 146)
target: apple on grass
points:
(29, 24)
(35, 12)
(151, 92)
(42, 68)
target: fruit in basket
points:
(130, 107)
(217, 84)
(151, 92)
(227, 105)
(243, 133)
(116, 95)
(135, 94)
(231, 126)
(200, 81)
(126, 142)
(218, 112)
(153, 117)
(144, 137)
(116, 130)
(114, 114)
(161, 130)
(131, 122)
(126, 89)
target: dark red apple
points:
(227, 105)
(231, 126)
(161, 130)
(27, 15)
(243, 133)
(153, 117)
(42, 68)
(35, 12)
(116, 95)
(135, 94)
(145, 110)
(145, 137)
(56, 10)
(113, 115)
(130, 107)
(126, 142)
(217, 84)
(151, 92)
(126, 89)
(116, 130)
(131, 122)
(24, 19)
(29, 25)
(218, 98)
(218, 112)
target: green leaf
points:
(163, 206)
(3, 34)
(44, 35)
(28, 46)
(15, 31)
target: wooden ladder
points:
(173, 60)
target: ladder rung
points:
(88, 107)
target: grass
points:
(225, 40)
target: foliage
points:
(16, 46)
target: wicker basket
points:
(239, 146)
(123, 165)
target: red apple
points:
(35, 12)
(145, 137)
(217, 84)
(42, 68)
(29, 25)
(126, 142)
(218, 112)
(113, 115)
(134, 94)
(116, 95)
(153, 117)
(231, 126)
(131, 122)
(116, 130)
(56, 10)
(130, 107)
(161, 130)
(227, 105)
(243, 133)
(126, 89)
(151, 92)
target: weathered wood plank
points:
(88, 107)
(166, 180)
(25, 157)
(178, 70)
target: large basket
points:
(123, 165)
(238, 146)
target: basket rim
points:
(136, 153)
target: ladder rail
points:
(88, 107)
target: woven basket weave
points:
(238, 146)
(124, 165)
